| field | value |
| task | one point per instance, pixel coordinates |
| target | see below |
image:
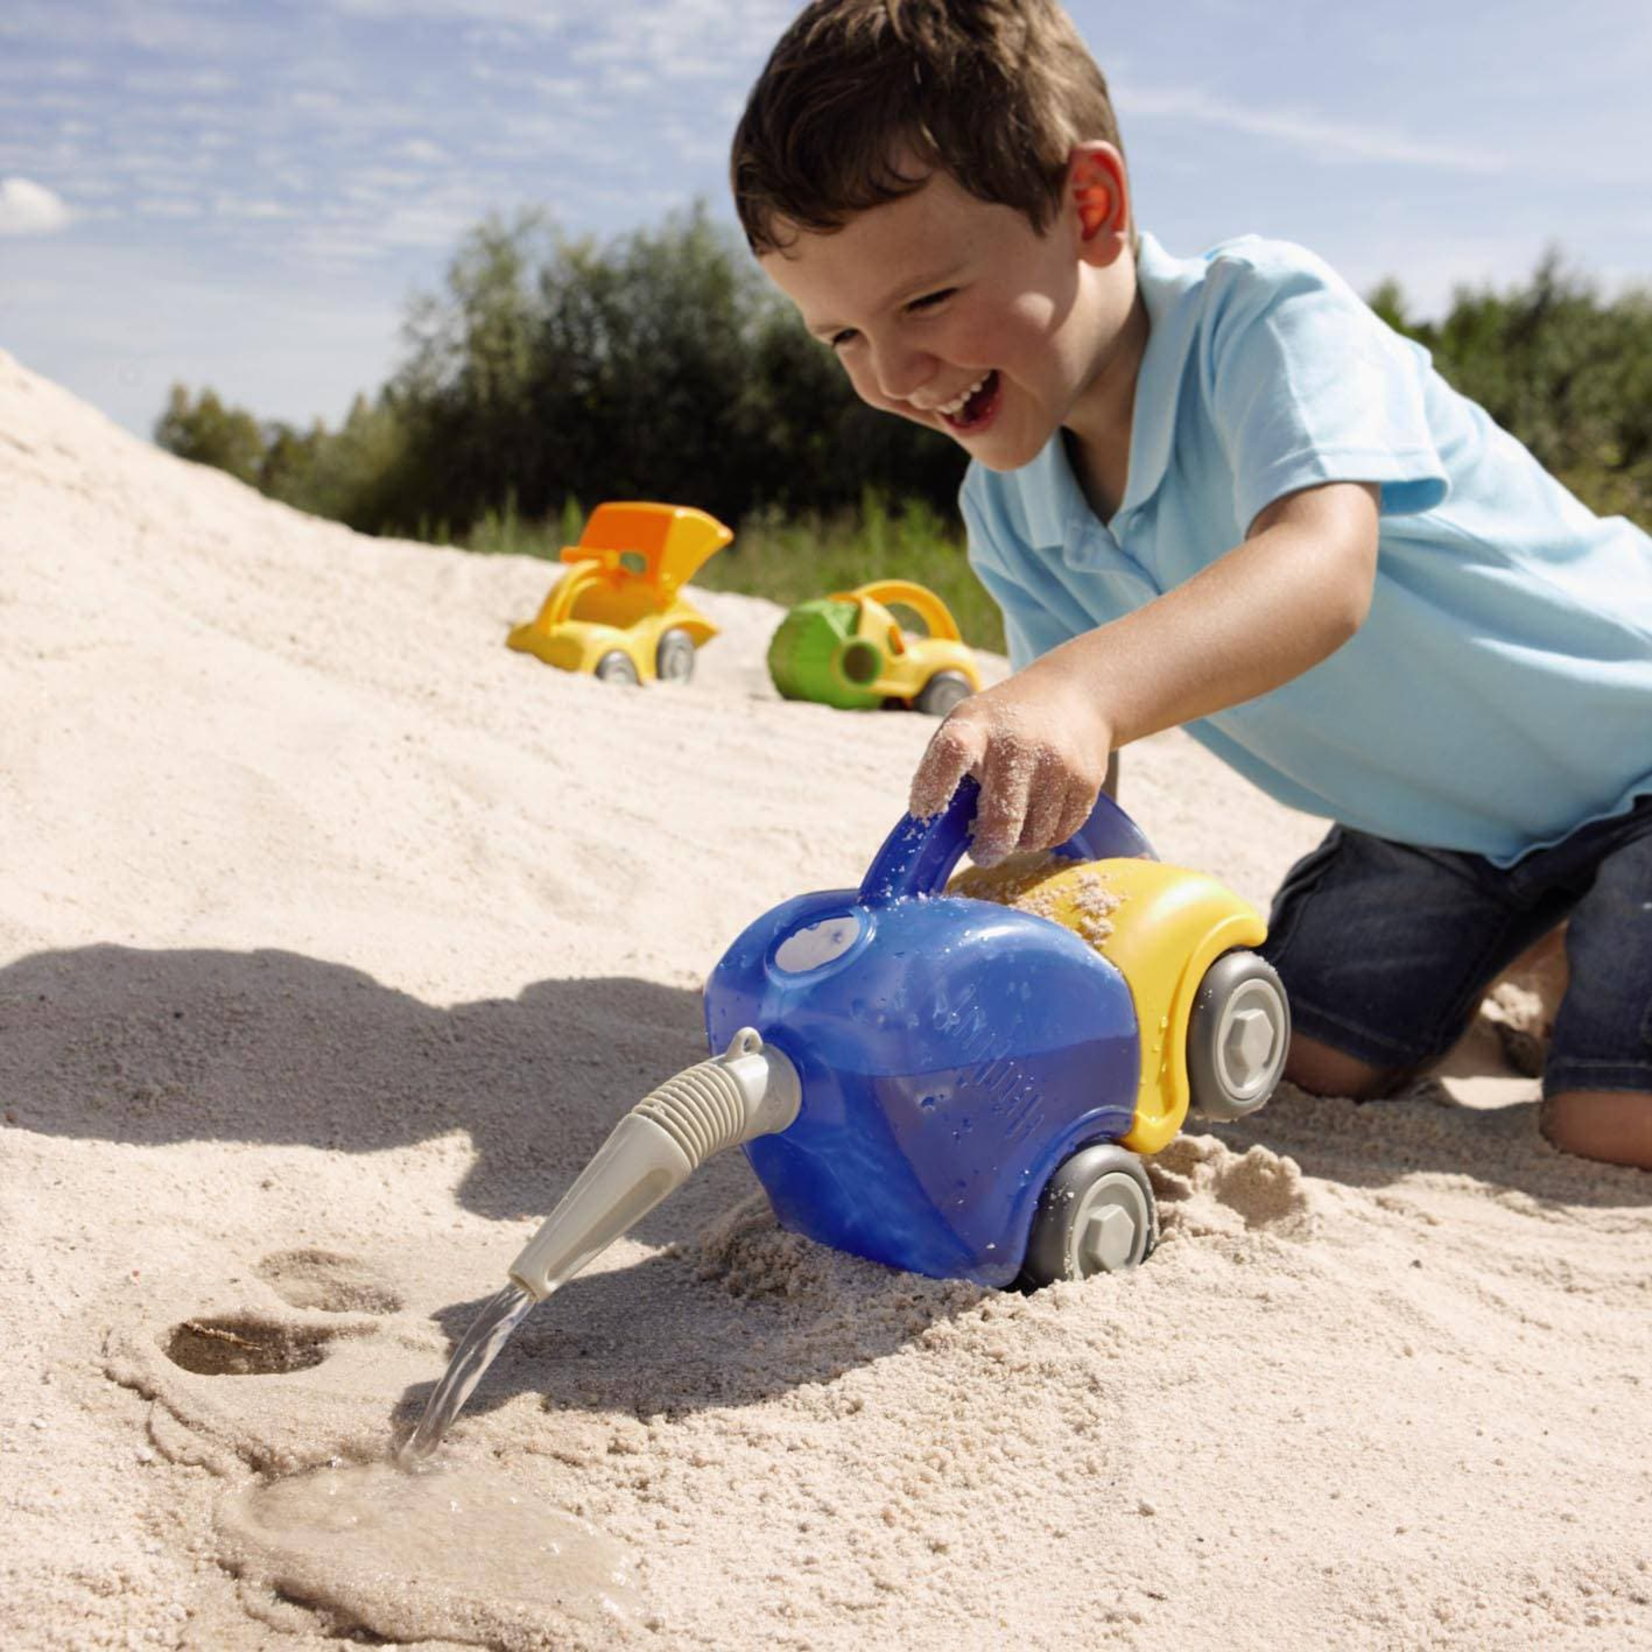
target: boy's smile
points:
(957, 314)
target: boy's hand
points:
(1289, 596)
(1039, 748)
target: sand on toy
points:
(334, 936)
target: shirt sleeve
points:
(1308, 385)
(997, 556)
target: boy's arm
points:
(1271, 608)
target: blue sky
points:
(245, 195)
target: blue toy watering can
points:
(953, 1085)
(951, 1052)
(957, 1078)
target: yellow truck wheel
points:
(1238, 1036)
(1096, 1215)
(614, 667)
(674, 657)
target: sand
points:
(333, 938)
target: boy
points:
(1221, 492)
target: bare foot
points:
(1522, 1001)
(1612, 1125)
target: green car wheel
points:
(942, 692)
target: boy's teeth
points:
(956, 405)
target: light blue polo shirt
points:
(1498, 696)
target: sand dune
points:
(334, 936)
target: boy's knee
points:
(1614, 1126)
(1324, 1071)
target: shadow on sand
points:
(151, 1047)
(119, 1044)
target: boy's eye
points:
(848, 335)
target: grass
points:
(789, 559)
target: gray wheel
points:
(1096, 1216)
(942, 692)
(674, 658)
(1237, 1037)
(615, 667)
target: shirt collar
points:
(1058, 513)
(1165, 284)
(1055, 504)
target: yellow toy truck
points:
(619, 612)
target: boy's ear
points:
(1098, 195)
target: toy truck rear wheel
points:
(614, 667)
(1096, 1215)
(942, 692)
(1238, 1036)
(674, 657)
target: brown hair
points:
(996, 92)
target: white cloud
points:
(62, 68)
(1304, 131)
(166, 206)
(435, 226)
(172, 82)
(28, 208)
(235, 206)
(497, 14)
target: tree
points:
(1562, 369)
(212, 434)
(659, 366)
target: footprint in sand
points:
(324, 1280)
(241, 1346)
(249, 1344)
(244, 1345)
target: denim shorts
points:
(1386, 949)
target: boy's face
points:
(959, 315)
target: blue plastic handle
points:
(918, 856)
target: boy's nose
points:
(902, 373)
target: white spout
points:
(750, 1090)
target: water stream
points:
(410, 1549)
(489, 1333)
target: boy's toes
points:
(1611, 1125)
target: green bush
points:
(1564, 370)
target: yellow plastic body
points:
(1162, 927)
(909, 661)
(622, 588)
